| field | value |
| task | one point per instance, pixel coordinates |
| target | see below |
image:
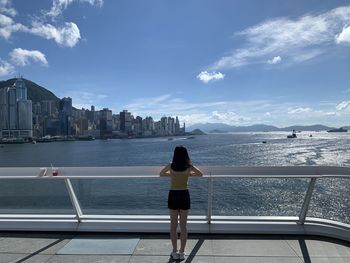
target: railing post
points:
(73, 199)
(210, 198)
(307, 199)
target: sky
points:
(235, 62)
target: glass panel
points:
(331, 199)
(258, 197)
(31, 196)
(139, 196)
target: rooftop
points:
(108, 247)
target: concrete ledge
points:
(320, 227)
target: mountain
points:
(196, 132)
(316, 127)
(208, 127)
(222, 128)
(36, 93)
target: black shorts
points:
(179, 199)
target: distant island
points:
(224, 128)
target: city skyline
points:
(22, 119)
(234, 63)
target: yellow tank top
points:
(179, 180)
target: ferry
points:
(12, 141)
(338, 130)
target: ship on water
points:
(338, 130)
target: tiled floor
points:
(66, 247)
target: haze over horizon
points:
(229, 62)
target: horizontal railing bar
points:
(36, 216)
(255, 218)
(153, 171)
(327, 221)
(157, 176)
(138, 217)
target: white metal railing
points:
(157, 223)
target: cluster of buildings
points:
(20, 118)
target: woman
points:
(179, 198)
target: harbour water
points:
(240, 197)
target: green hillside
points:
(36, 93)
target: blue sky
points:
(236, 62)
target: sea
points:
(148, 196)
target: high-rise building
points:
(125, 121)
(106, 123)
(65, 116)
(16, 119)
(21, 89)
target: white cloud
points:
(275, 60)
(22, 57)
(67, 35)
(344, 36)
(8, 26)
(58, 6)
(293, 39)
(5, 68)
(206, 76)
(6, 8)
(167, 104)
(299, 110)
(344, 105)
(229, 117)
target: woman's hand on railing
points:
(166, 170)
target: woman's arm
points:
(194, 171)
(166, 170)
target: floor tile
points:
(319, 248)
(252, 247)
(160, 247)
(99, 246)
(89, 259)
(25, 245)
(13, 258)
(218, 259)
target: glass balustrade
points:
(258, 196)
(129, 191)
(32, 196)
(331, 199)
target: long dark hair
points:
(181, 160)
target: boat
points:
(47, 138)
(86, 138)
(12, 140)
(170, 139)
(338, 130)
(191, 137)
(293, 135)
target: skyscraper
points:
(15, 111)
(125, 121)
(65, 116)
(106, 123)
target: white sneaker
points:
(182, 255)
(174, 255)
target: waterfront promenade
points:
(35, 247)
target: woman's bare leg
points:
(174, 218)
(183, 227)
